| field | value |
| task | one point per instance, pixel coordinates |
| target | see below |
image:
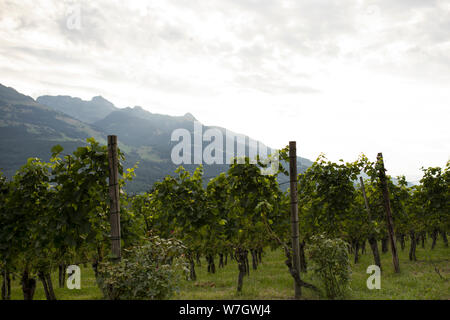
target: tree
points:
(6, 263)
(251, 196)
(436, 200)
(53, 212)
(81, 202)
(24, 226)
(327, 194)
(182, 206)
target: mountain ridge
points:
(29, 128)
(83, 110)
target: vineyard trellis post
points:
(294, 214)
(372, 240)
(387, 206)
(114, 195)
(5, 285)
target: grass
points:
(417, 280)
(89, 289)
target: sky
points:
(339, 77)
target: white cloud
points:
(341, 77)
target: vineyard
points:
(194, 238)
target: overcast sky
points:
(339, 77)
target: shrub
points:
(330, 263)
(151, 271)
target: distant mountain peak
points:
(87, 111)
(29, 129)
(11, 95)
(100, 99)
(190, 117)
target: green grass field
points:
(417, 280)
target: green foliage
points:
(181, 208)
(25, 215)
(331, 264)
(218, 193)
(57, 212)
(435, 196)
(252, 195)
(4, 192)
(327, 195)
(81, 195)
(151, 271)
(417, 281)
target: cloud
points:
(257, 37)
(298, 60)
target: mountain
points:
(148, 136)
(86, 111)
(29, 128)
(9, 95)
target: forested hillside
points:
(30, 128)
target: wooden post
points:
(114, 217)
(294, 214)
(5, 285)
(387, 206)
(372, 240)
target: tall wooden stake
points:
(294, 214)
(387, 206)
(114, 217)
(5, 286)
(372, 240)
